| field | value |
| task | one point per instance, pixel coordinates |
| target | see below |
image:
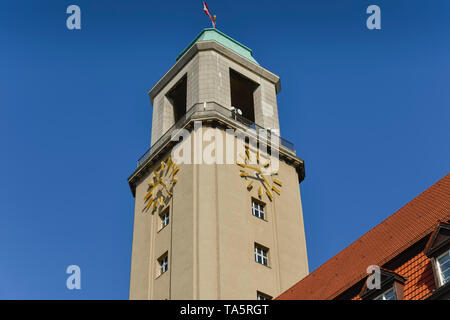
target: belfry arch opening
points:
(242, 91)
(177, 96)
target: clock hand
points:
(265, 180)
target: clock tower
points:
(218, 211)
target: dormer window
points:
(443, 267)
(387, 295)
(391, 287)
(438, 250)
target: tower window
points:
(443, 266)
(163, 263)
(258, 209)
(261, 255)
(242, 90)
(164, 218)
(177, 97)
(262, 296)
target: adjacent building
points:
(411, 249)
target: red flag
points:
(206, 9)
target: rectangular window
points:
(164, 218)
(387, 295)
(163, 263)
(262, 296)
(261, 255)
(443, 264)
(258, 209)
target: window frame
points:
(439, 269)
(163, 264)
(383, 294)
(263, 257)
(162, 224)
(261, 205)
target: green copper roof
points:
(220, 37)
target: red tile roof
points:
(419, 272)
(388, 239)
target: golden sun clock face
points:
(256, 176)
(161, 188)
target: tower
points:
(217, 229)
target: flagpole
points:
(206, 10)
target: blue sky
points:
(368, 111)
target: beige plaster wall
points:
(211, 236)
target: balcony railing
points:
(206, 110)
